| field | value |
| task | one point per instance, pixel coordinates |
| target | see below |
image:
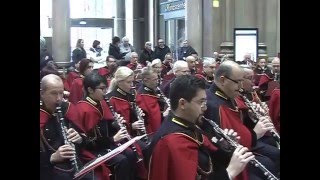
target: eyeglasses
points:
(235, 81)
(103, 88)
(202, 103)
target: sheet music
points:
(99, 160)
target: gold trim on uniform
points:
(121, 91)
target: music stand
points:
(99, 160)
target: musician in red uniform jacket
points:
(207, 73)
(76, 89)
(108, 71)
(223, 110)
(179, 150)
(266, 146)
(122, 98)
(103, 133)
(149, 101)
(55, 152)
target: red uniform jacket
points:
(274, 108)
(89, 117)
(70, 77)
(148, 101)
(76, 90)
(174, 153)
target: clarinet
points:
(273, 132)
(61, 120)
(121, 125)
(167, 100)
(235, 144)
(137, 110)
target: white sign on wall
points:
(245, 41)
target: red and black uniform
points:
(71, 76)
(122, 104)
(151, 104)
(97, 121)
(178, 151)
(223, 111)
(274, 108)
(76, 90)
(208, 79)
(165, 69)
(51, 138)
(232, 114)
(166, 87)
(106, 73)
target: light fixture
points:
(82, 22)
(215, 3)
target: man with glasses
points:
(180, 150)
(161, 50)
(111, 67)
(223, 109)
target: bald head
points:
(275, 63)
(190, 58)
(226, 68)
(50, 80)
(275, 60)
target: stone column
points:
(138, 24)
(120, 19)
(261, 19)
(271, 26)
(278, 29)
(208, 26)
(245, 13)
(194, 24)
(61, 52)
(230, 16)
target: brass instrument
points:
(61, 120)
(257, 115)
(137, 110)
(235, 144)
(118, 119)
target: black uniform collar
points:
(122, 91)
(217, 91)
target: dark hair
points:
(108, 57)
(93, 80)
(115, 39)
(95, 43)
(84, 65)
(186, 87)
